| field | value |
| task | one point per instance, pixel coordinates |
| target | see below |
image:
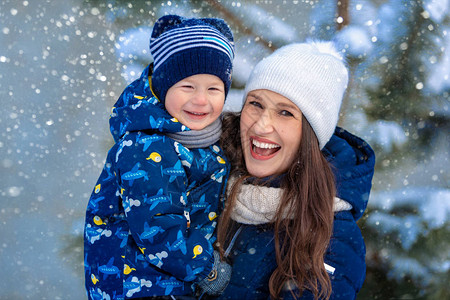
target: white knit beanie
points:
(312, 75)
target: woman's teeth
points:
(265, 145)
(264, 149)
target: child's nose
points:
(200, 98)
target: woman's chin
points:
(262, 165)
(258, 171)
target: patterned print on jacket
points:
(150, 220)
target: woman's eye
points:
(255, 103)
(286, 113)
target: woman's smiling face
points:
(271, 127)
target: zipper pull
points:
(188, 218)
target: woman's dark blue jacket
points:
(253, 253)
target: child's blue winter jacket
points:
(253, 252)
(153, 210)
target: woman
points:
(289, 229)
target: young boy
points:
(152, 213)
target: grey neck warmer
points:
(199, 138)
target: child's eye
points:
(187, 86)
(286, 113)
(213, 88)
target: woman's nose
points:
(264, 124)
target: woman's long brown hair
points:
(308, 192)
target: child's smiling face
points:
(196, 101)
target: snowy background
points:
(64, 63)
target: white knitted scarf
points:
(259, 204)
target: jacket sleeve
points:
(153, 187)
(346, 255)
(345, 259)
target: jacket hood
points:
(353, 162)
(137, 109)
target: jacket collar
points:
(137, 109)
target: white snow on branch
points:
(355, 41)
(385, 134)
(422, 209)
(437, 9)
(132, 49)
(439, 77)
(265, 24)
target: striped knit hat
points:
(184, 47)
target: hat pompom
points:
(165, 23)
(327, 47)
